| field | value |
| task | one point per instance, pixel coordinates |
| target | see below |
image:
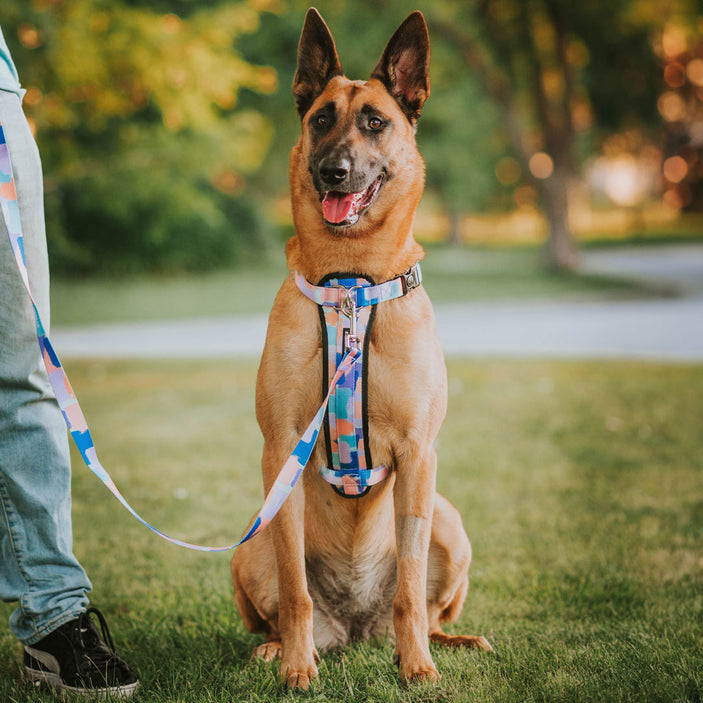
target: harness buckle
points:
(412, 278)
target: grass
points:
(450, 274)
(579, 483)
(85, 301)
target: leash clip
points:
(348, 307)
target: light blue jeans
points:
(37, 566)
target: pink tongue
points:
(337, 206)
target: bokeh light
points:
(672, 106)
(508, 171)
(541, 165)
(675, 169)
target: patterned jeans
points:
(37, 566)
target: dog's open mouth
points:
(345, 209)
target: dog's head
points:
(356, 155)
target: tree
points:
(144, 146)
(554, 68)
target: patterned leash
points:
(75, 420)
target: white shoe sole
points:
(47, 678)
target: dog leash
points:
(76, 422)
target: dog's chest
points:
(352, 598)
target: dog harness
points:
(347, 311)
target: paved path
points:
(676, 267)
(663, 328)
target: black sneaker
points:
(75, 658)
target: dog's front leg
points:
(298, 653)
(414, 497)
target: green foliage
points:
(155, 206)
(460, 153)
(145, 149)
(614, 41)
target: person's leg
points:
(39, 570)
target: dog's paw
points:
(299, 677)
(300, 680)
(417, 669)
(267, 651)
(420, 674)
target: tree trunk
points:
(454, 228)
(550, 113)
(561, 249)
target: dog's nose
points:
(334, 172)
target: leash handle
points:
(73, 414)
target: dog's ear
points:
(404, 67)
(318, 62)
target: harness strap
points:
(356, 483)
(73, 415)
(362, 296)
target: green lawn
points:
(580, 486)
(450, 273)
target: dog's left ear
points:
(404, 67)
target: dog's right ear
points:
(318, 62)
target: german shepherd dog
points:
(328, 569)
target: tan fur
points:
(329, 569)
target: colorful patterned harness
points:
(347, 311)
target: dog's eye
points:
(322, 121)
(375, 123)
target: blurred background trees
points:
(165, 125)
(538, 59)
(145, 148)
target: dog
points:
(331, 569)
